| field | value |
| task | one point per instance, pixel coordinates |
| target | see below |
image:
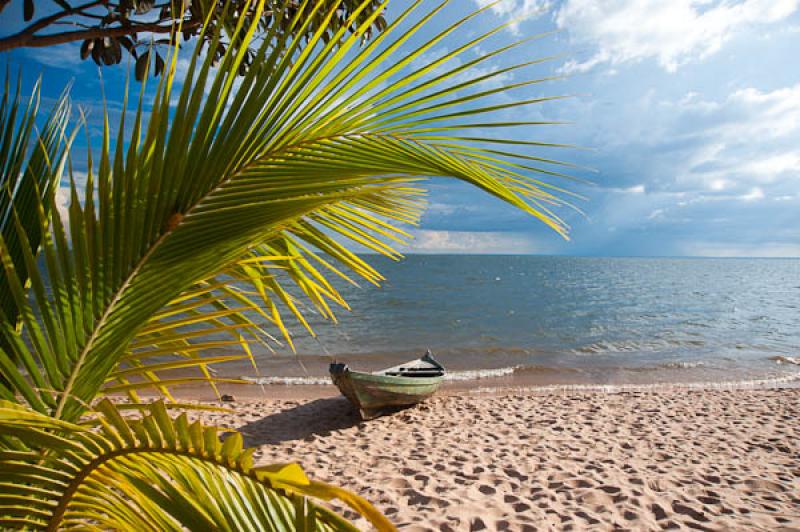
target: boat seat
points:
(413, 372)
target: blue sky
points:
(691, 109)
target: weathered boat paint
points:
(373, 393)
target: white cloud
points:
(636, 189)
(770, 168)
(778, 112)
(62, 202)
(473, 242)
(718, 185)
(747, 138)
(517, 10)
(699, 166)
(65, 56)
(63, 195)
(513, 8)
(755, 194)
(695, 144)
(674, 32)
(427, 59)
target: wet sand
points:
(518, 460)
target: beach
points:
(522, 459)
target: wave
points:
(780, 359)
(608, 347)
(310, 380)
(477, 374)
(493, 373)
(289, 381)
(751, 384)
(634, 346)
(683, 364)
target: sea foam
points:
(751, 384)
(469, 375)
(780, 359)
(476, 374)
(289, 381)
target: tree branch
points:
(21, 40)
(47, 21)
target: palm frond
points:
(31, 164)
(153, 473)
(312, 148)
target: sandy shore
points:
(701, 460)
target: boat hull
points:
(372, 394)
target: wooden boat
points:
(403, 385)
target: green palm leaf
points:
(31, 165)
(314, 146)
(153, 473)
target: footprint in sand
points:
(684, 509)
(486, 489)
(416, 498)
(762, 485)
(598, 500)
(399, 483)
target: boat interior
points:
(411, 372)
(426, 366)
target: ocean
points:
(562, 320)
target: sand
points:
(684, 460)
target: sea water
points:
(563, 320)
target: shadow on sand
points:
(315, 418)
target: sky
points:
(686, 112)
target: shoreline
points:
(307, 375)
(537, 385)
(683, 459)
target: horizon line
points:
(511, 254)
